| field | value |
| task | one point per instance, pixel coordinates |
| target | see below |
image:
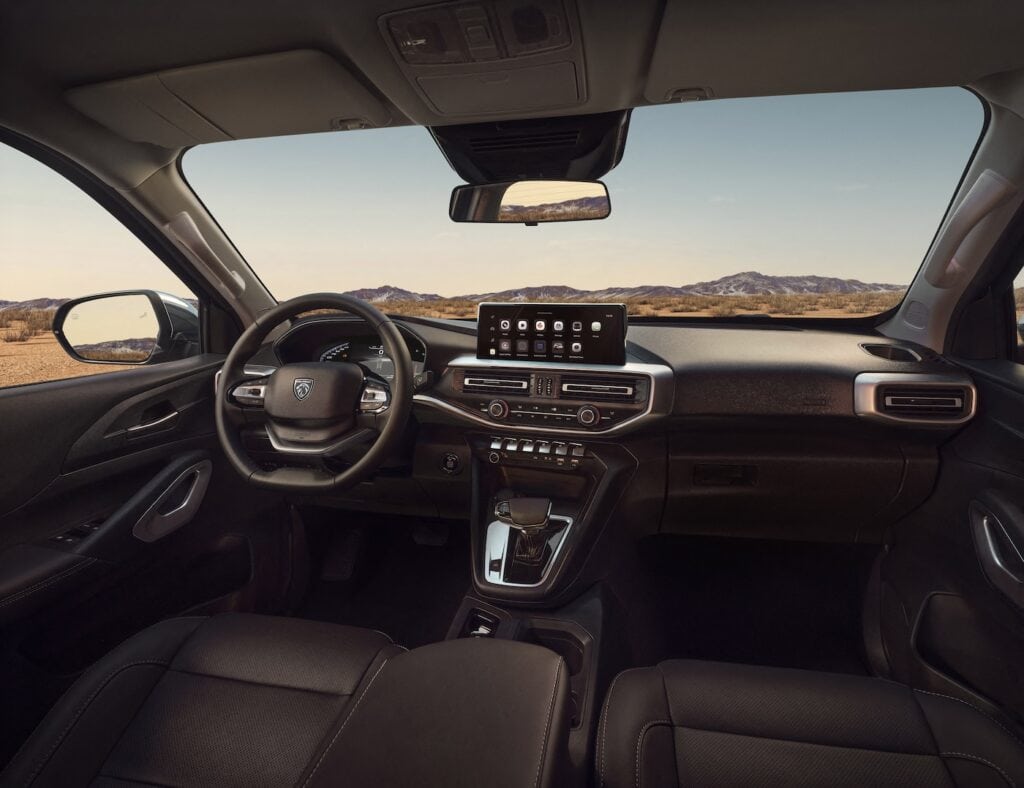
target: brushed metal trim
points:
(496, 544)
(865, 396)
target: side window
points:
(57, 246)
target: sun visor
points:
(266, 96)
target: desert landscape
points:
(29, 352)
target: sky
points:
(851, 185)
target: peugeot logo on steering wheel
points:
(301, 387)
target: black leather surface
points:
(459, 713)
(244, 700)
(31, 574)
(688, 723)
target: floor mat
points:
(409, 590)
(787, 604)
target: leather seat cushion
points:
(686, 723)
(246, 700)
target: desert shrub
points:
(17, 334)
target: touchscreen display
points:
(566, 333)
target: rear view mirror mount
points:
(530, 202)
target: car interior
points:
(300, 533)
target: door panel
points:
(945, 624)
(105, 530)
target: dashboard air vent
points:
(924, 399)
(600, 389)
(509, 383)
(915, 402)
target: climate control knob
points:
(588, 416)
(497, 409)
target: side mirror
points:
(530, 202)
(131, 327)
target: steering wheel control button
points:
(451, 463)
(588, 416)
(497, 409)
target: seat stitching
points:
(348, 717)
(988, 717)
(266, 684)
(547, 725)
(640, 742)
(969, 757)
(806, 741)
(82, 709)
(601, 746)
(46, 581)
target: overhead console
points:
(487, 56)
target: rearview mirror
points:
(530, 202)
(134, 327)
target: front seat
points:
(687, 723)
(247, 700)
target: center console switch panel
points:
(560, 333)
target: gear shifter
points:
(530, 517)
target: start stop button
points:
(451, 464)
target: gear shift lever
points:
(529, 516)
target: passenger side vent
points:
(916, 398)
(923, 402)
(601, 389)
(508, 383)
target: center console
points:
(544, 404)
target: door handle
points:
(176, 505)
(162, 423)
(1001, 557)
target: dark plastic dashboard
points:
(768, 431)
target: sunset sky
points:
(849, 185)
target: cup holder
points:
(572, 646)
(565, 644)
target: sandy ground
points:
(40, 359)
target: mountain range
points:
(746, 283)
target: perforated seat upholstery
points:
(686, 723)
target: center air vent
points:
(600, 389)
(508, 383)
(940, 400)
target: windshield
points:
(819, 205)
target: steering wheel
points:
(317, 410)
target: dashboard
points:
(735, 429)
